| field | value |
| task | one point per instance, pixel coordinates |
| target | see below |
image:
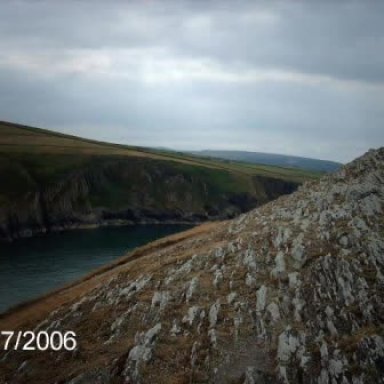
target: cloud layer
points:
(294, 77)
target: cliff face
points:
(112, 191)
(292, 292)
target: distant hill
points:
(51, 181)
(272, 159)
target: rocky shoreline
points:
(29, 232)
(187, 220)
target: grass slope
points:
(287, 161)
(18, 139)
(52, 181)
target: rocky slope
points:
(292, 292)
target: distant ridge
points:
(273, 159)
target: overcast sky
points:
(293, 77)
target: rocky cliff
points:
(46, 193)
(291, 292)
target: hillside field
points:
(51, 181)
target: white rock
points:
(273, 309)
(213, 314)
(261, 296)
(249, 259)
(219, 253)
(213, 337)
(335, 367)
(298, 251)
(218, 278)
(160, 299)
(140, 352)
(152, 334)
(331, 328)
(192, 289)
(135, 287)
(324, 351)
(192, 315)
(250, 281)
(329, 311)
(282, 236)
(294, 282)
(175, 273)
(175, 330)
(231, 297)
(143, 350)
(324, 377)
(287, 345)
(280, 266)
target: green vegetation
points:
(19, 139)
(272, 159)
(50, 181)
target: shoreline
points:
(11, 246)
(41, 232)
(30, 310)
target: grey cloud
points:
(174, 73)
(341, 39)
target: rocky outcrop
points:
(120, 191)
(292, 292)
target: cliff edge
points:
(52, 182)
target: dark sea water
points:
(34, 266)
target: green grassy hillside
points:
(51, 181)
(273, 159)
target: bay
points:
(34, 266)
